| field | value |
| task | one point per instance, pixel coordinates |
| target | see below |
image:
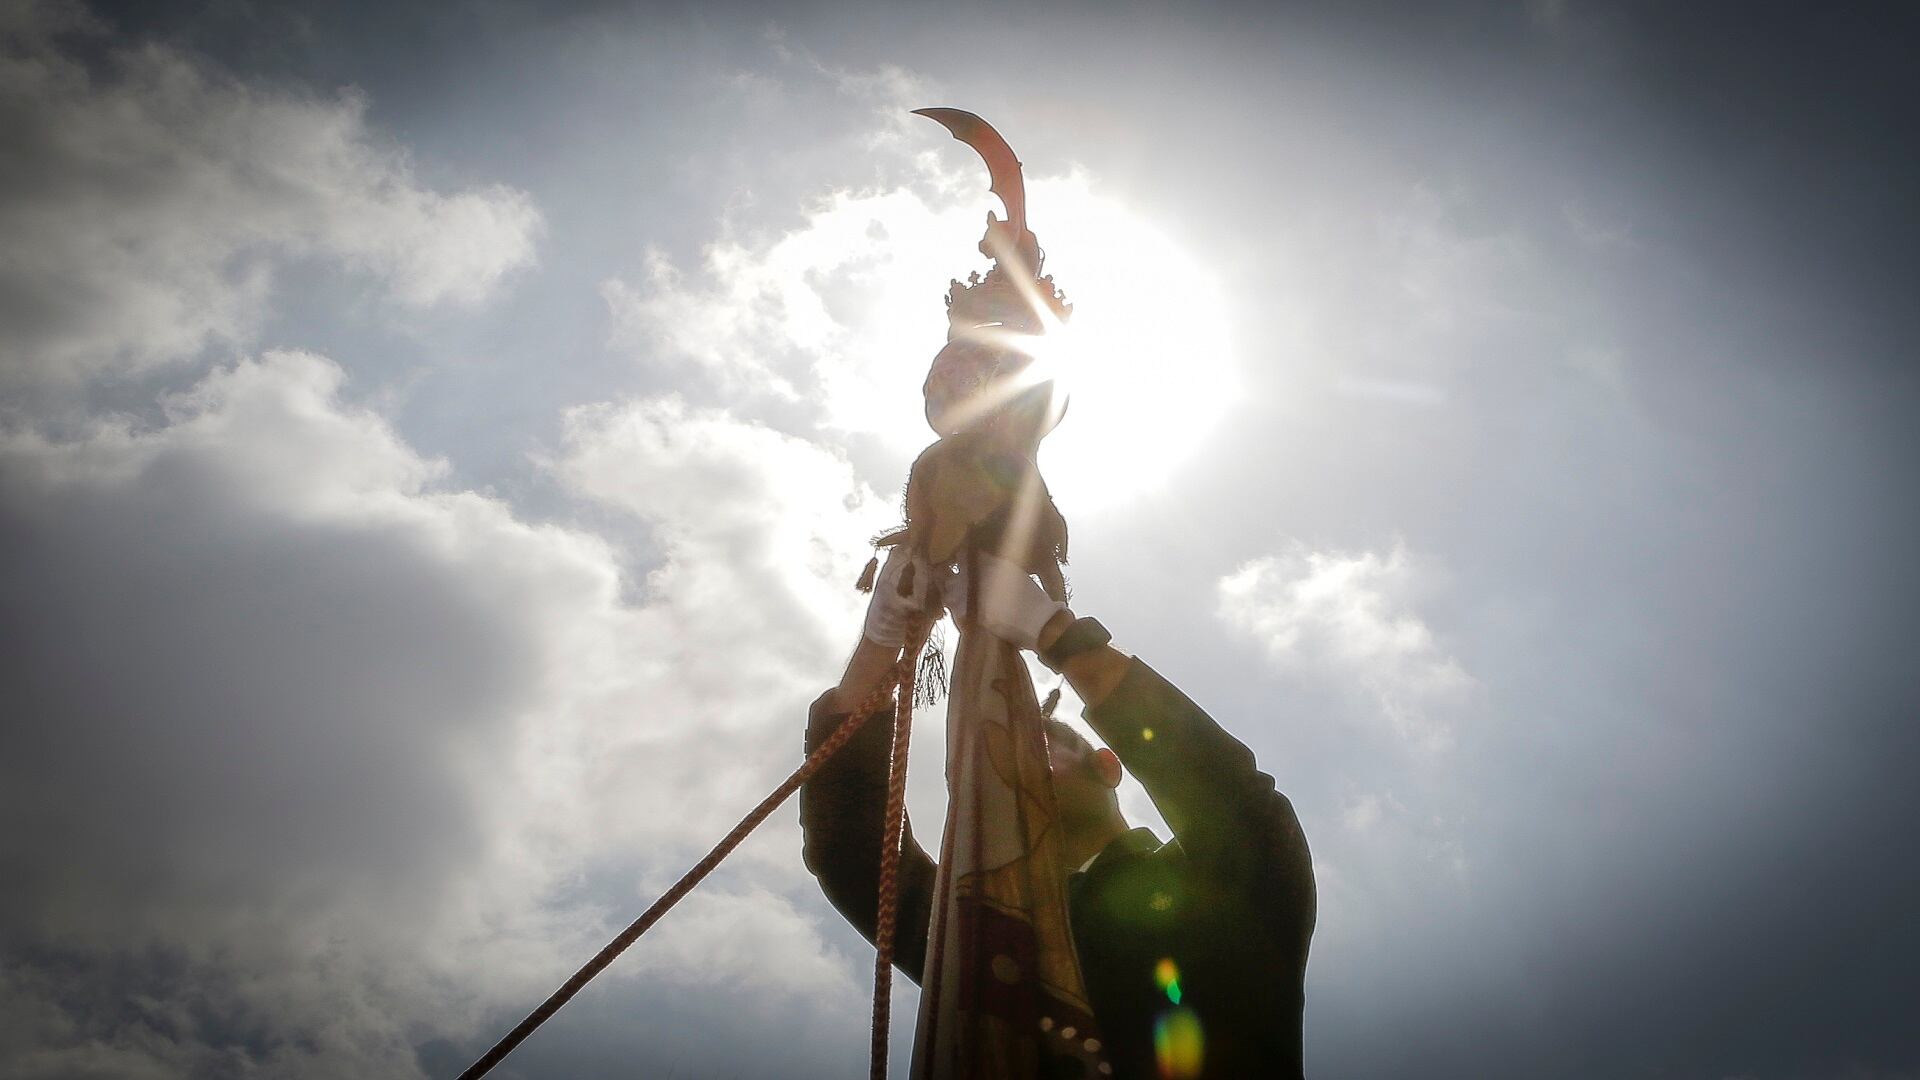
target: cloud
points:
(746, 514)
(845, 310)
(838, 318)
(319, 755)
(316, 759)
(152, 196)
(270, 713)
(326, 758)
(1362, 814)
(728, 939)
(1348, 618)
(760, 535)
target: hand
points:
(1013, 606)
(888, 613)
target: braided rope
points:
(895, 817)
(691, 878)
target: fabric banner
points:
(1002, 997)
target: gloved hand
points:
(888, 613)
(1013, 606)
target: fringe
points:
(930, 681)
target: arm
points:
(841, 811)
(843, 805)
(1093, 674)
(884, 633)
(866, 668)
(1225, 813)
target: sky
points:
(437, 443)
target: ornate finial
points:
(973, 383)
(1003, 300)
(1013, 296)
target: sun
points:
(1147, 355)
(1146, 358)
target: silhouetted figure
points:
(1193, 951)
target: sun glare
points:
(1146, 357)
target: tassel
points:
(930, 682)
(865, 584)
(1047, 706)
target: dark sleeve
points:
(1224, 812)
(842, 808)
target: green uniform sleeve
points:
(1224, 812)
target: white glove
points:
(889, 613)
(1013, 606)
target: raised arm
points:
(1225, 813)
(842, 806)
(841, 820)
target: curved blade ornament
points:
(1002, 166)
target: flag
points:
(1002, 996)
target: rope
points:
(888, 907)
(700, 870)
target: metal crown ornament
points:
(1012, 300)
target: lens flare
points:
(989, 369)
(1179, 1047)
(1166, 974)
(1147, 356)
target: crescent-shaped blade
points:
(1002, 166)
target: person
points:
(1193, 951)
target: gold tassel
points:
(1047, 706)
(865, 584)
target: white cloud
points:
(842, 315)
(315, 682)
(1362, 814)
(751, 521)
(1349, 618)
(726, 940)
(845, 310)
(1434, 837)
(395, 757)
(379, 734)
(161, 194)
